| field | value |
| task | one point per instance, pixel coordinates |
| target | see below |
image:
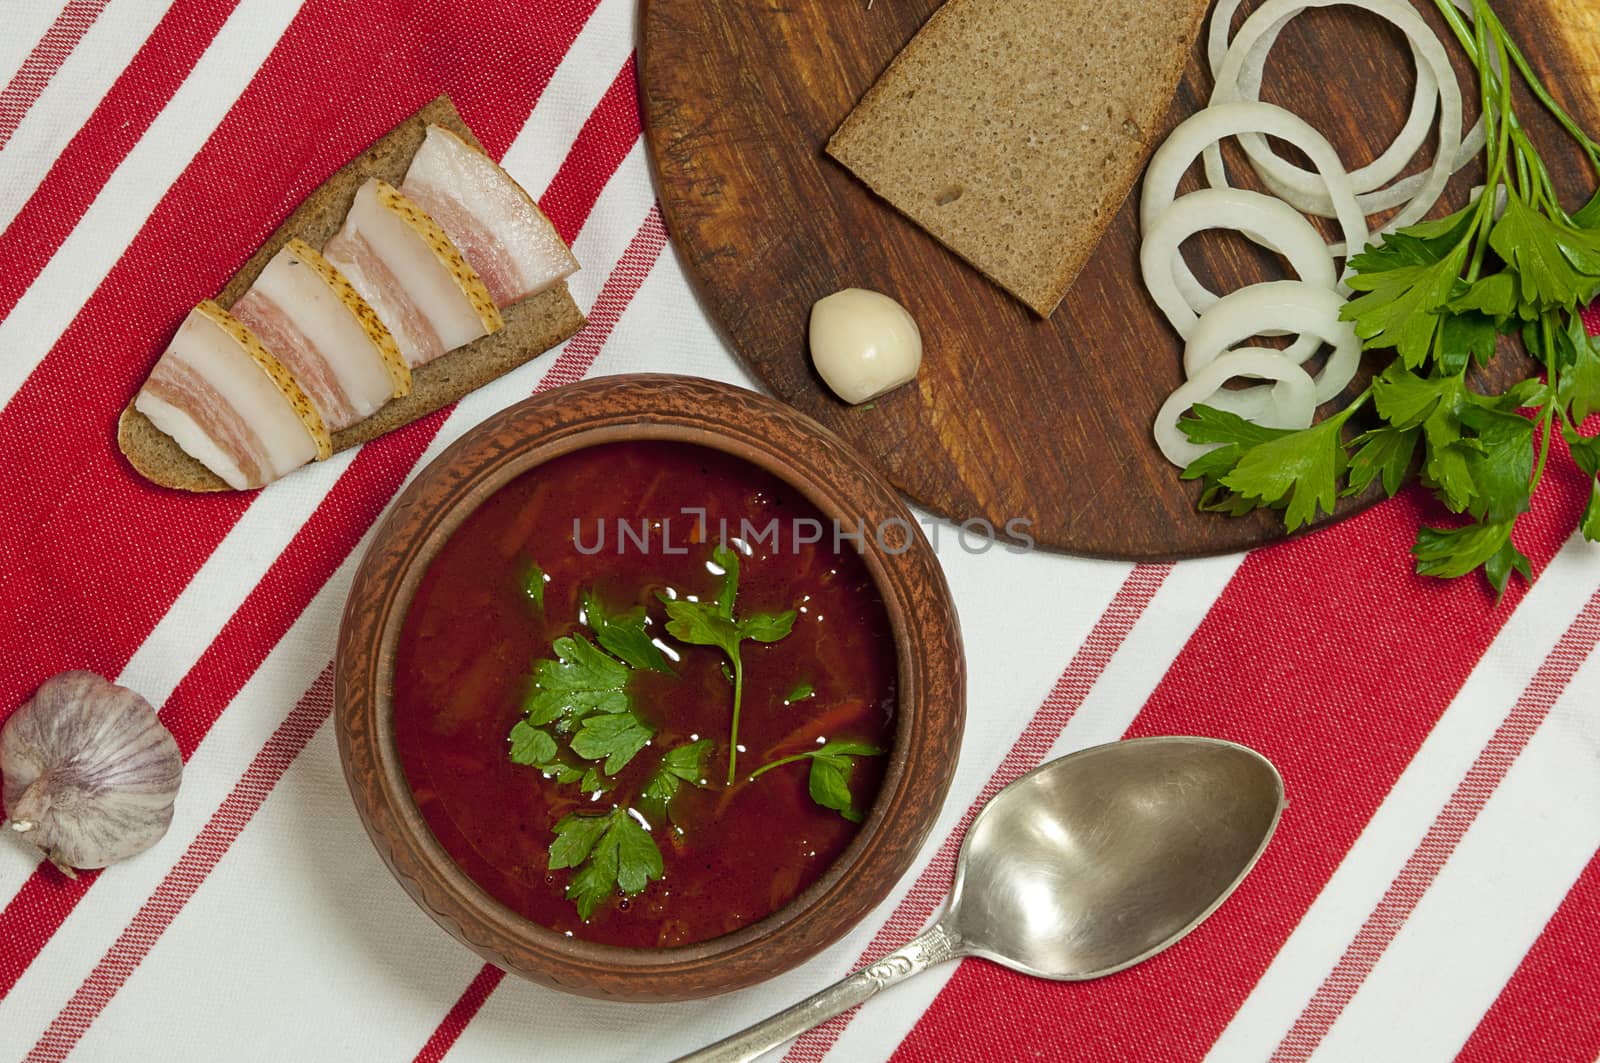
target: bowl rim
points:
(930, 671)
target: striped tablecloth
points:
(1434, 888)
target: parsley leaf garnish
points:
(699, 624)
(829, 785)
(1297, 472)
(610, 852)
(623, 635)
(532, 581)
(530, 745)
(1590, 525)
(1557, 263)
(584, 691)
(581, 727)
(1385, 453)
(1407, 282)
(616, 739)
(679, 765)
(1453, 552)
(831, 765)
(1300, 472)
(1501, 465)
(535, 747)
(800, 692)
(1578, 354)
(582, 680)
(713, 624)
(767, 627)
(575, 838)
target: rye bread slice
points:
(1012, 130)
(531, 327)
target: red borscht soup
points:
(644, 696)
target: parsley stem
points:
(1476, 40)
(1501, 121)
(1547, 415)
(1524, 178)
(733, 735)
(1469, 37)
(1549, 421)
(1472, 39)
(1541, 189)
(1355, 404)
(780, 762)
(1505, 119)
(1536, 86)
(1479, 231)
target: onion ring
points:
(1297, 186)
(1222, 24)
(1370, 196)
(1285, 305)
(1204, 129)
(1261, 404)
(1292, 398)
(1269, 222)
(1387, 166)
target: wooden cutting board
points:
(1012, 417)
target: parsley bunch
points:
(584, 693)
(1439, 295)
(581, 727)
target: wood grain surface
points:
(1012, 417)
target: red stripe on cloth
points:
(188, 873)
(1444, 834)
(461, 1013)
(1547, 1009)
(34, 914)
(65, 564)
(43, 61)
(607, 136)
(46, 899)
(118, 123)
(294, 578)
(623, 283)
(1299, 658)
(225, 825)
(1067, 694)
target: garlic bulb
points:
(90, 772)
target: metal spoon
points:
(1082, 867)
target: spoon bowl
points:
(1082, 867)
(1098, 860)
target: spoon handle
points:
(932, 946)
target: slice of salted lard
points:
(228, 403)
(498, 227)
(408, 270)
(311, 319)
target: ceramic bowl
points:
(930, 686)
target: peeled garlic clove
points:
(90, 772)
(863, 343)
